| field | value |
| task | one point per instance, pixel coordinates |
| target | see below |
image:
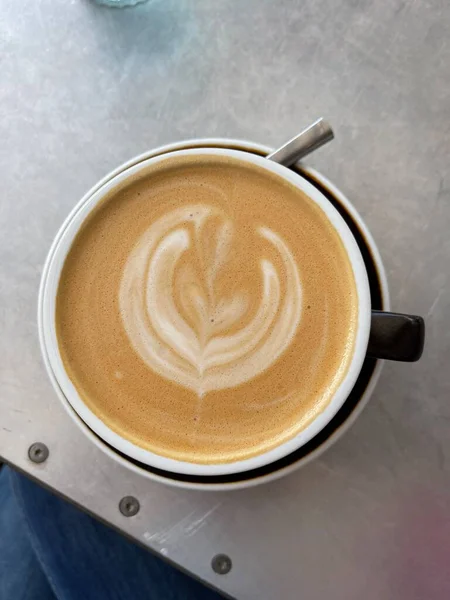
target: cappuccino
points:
(207, 310)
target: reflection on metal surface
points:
(120, 3)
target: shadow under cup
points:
(367, 376)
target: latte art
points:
(210, 342)
(206, 310)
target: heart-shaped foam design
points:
(207, 340)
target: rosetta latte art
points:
(177, 322)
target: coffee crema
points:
(207, 310)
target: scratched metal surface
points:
(84, 88)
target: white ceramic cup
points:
(51, 350)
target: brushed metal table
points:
(82, 89)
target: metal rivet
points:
(221, 564)
(38, 452)
(129, 506)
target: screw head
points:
(129, 506)
(221, 564)
(38, 452)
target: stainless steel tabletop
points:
(83, 88)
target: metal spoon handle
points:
(316, 135)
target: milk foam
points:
(207, 341)
(206, 310)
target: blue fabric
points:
(21, 577)
(50, 550)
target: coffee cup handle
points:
(394, 336)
